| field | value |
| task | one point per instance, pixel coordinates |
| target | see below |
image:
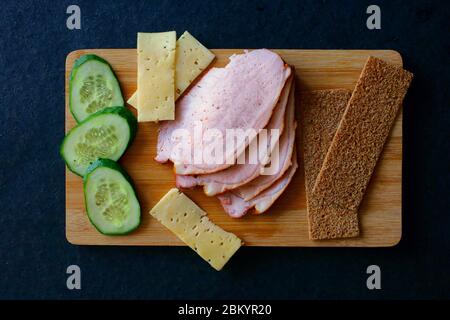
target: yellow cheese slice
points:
(156, 76)
(183, 217)
(132, 101)
(191, 59)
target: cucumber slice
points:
(105, 134)
(111, 202)
(92, 86)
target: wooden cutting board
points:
(285, 224)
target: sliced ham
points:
(236, 206)
(242, 95)
(240, 174)
(286, 147)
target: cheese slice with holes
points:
(192, 58)
(183, 217)
(190, 61)
(156, 76)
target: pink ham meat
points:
(239, 174)
(286, 147)
(242, 95)
(237, 207)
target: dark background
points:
(34, 253)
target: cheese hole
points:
(196, 234)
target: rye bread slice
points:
(355, 149)
(321, 112)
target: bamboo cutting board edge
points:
(309, 76)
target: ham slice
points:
(242, 95)
(286, 147)
(240, 174)
(237, 207)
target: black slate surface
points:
(34, 253)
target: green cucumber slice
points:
(105, 134)
(111, 202)
(92, 87)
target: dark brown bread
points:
(321, 112)
(355, 149)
